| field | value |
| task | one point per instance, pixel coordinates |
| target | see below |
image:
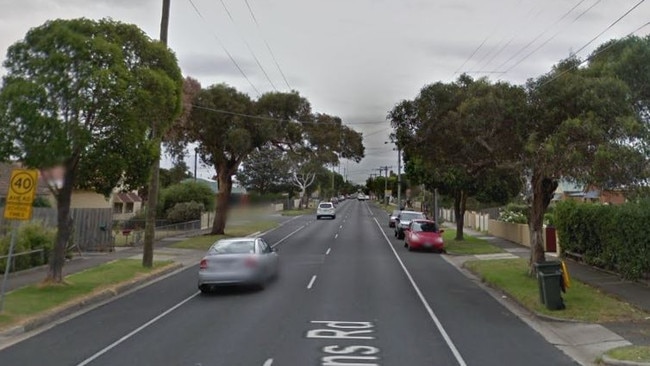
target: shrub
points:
(185, 192)
(184, 212)
(513, 214)
(30, 236)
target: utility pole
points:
(385, 180)
(399, 176)
(152, 195)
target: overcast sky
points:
(354, 58)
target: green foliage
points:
(30, 236)
(40, 201)
(255, 198)
(186, 192)
(265, 170)
(612, 237)
(185, 211)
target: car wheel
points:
(317, 217)
(405, 245)
(333, 217)
(409, 248)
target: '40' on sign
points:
(20, 196)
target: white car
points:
(325, 209)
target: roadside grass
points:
(25, 302)
(471, 245)
(298, 212)
(583, 303)
(630, 353)
(203, 242)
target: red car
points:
(424, 234)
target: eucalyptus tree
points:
(228, 126)
(583, 126)
(80, 97)
(455, 135)
(265, 169)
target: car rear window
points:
(233, 247)
(427, 227)
(325, 205)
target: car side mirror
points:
(274, 250)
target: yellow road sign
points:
(20, 196)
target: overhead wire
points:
(540, 35)
(610, 26)
(268, 47)
(555, 77)
(248, 46)
(223, 47)
(541, 45)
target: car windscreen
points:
(427, 227)
(233, 247)
(408, 216)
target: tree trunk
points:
(303, 200)
(64, 228)
(460, 201)
(223, 202)
(150, 221)
(543, 189)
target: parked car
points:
(362, 197)
(238, 261)
(392, 218)
(404, 220)
(325, 209)
(424, 234)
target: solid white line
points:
(268, 362)
(328, 251)
(287, 237)
(311, 283)
(433, 316)
(134, 332)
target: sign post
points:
(18, 207)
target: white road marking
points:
(341, 227)
(268, 362)
(433, 315)
(136, 331)
(336, 236)
(311, 283)
(287, 237)
(328, 251)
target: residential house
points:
(589, 193)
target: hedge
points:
(611, 237)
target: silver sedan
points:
(238, 261)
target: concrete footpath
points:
(584, 342)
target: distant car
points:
(325, 209)
(361, 197)
(404, 220)
(238, 261)
(424, 234)
(334, 200)
(393, 218)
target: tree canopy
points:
(82, 95)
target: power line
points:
(538, 37)
(591, 56)
(472, 55)
(610, 26)
(224, 48)
(257, 61)
(552, 37)
(268, 47)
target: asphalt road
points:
(348, 294)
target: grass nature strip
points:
(26, 302)
(470, 246)
(583, 303)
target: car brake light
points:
(250, 262)
(203, 264)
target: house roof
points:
(5, 176)
(127, 197)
